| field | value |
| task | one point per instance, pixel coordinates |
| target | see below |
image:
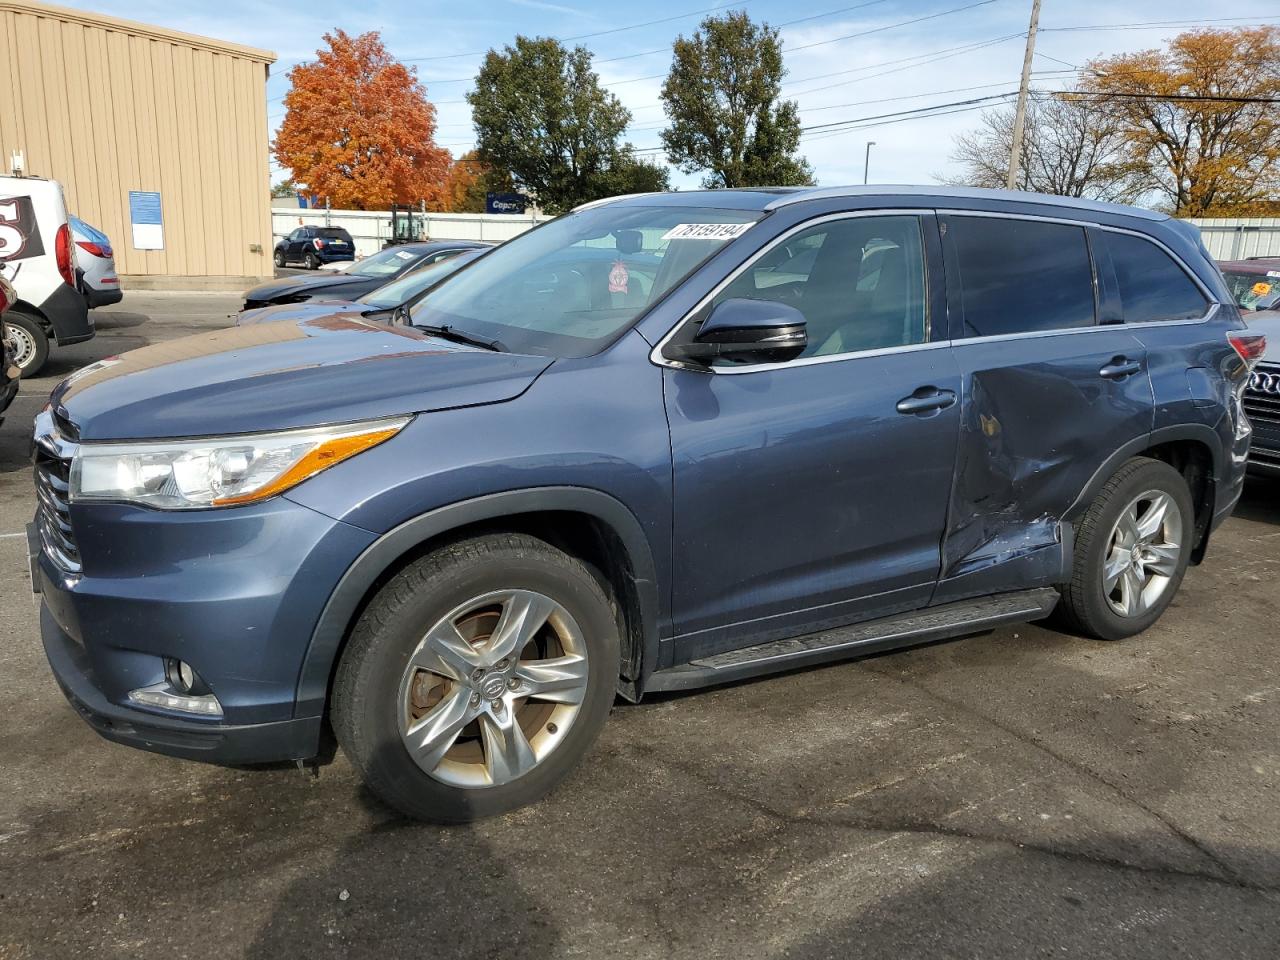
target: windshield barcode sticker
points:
(706, 231)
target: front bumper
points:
(236, 593)
(232, 745)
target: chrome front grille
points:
(1262, 395)
(53, 455)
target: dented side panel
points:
(1037, 420)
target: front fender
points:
(338, 613)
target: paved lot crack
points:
(1229, 874)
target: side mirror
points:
(746, 331)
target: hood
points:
(275, 376)
(1267, 323)
(307, 310)
(310, 284)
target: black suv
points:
(312, 246)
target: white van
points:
(37, 256)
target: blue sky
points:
(882, 67)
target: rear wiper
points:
(448, 332)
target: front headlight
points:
(218, 471)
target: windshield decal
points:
(707, 231)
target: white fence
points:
(370, 229)
(1236, 238)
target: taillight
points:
(319, 243)
(92, 248)
(1250, 346)
(62, 250)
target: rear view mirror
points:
(629, 241)
(746, 331)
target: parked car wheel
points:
(27, 340)
(477, 678)
(279, 258)
(1131, 552)
(312, 261)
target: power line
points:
(964, 47)
(1154, 23)
(891, 26)
(581, 36)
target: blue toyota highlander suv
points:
(658, 443)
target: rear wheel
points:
(312, 261)
(477, 678)
(1132, 550)
(27, 341)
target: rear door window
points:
(1019, 276)
(1152, 285)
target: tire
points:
(1102, 603)
(28, 341)
(312, 261)
(468, 764)
(279, 258)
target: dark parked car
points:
(449, 545)
(359, 278)
(9, 371)
(1255, 285)
(313, 246)
(387, 302)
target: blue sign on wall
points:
(144, 207)
(505, 202)
(146, 220)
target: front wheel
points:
(477, 678)
(27, 341)
(1131, 552)
(279, 258)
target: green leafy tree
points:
(542, 117)
(722, 98)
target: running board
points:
(903, 630)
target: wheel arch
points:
(34, 312)
(1194, 450)
(590, 524)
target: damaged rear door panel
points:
(1048, 394)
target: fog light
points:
(183, 678)
(164, 696)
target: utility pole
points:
(1020, 117)
(866, 163)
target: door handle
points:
(926, 400)
(1119, 368)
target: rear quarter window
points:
(1152, 285)
(1019, 276)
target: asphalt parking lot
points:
(1018, 794)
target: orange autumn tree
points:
(358, 128)
(1200, 117)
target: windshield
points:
(570, 287)
(333, 233)
(415, 281)
(1254, 291)
(383, 263)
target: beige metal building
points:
(143, 124)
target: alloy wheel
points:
(1142, 558)
(492, 688)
